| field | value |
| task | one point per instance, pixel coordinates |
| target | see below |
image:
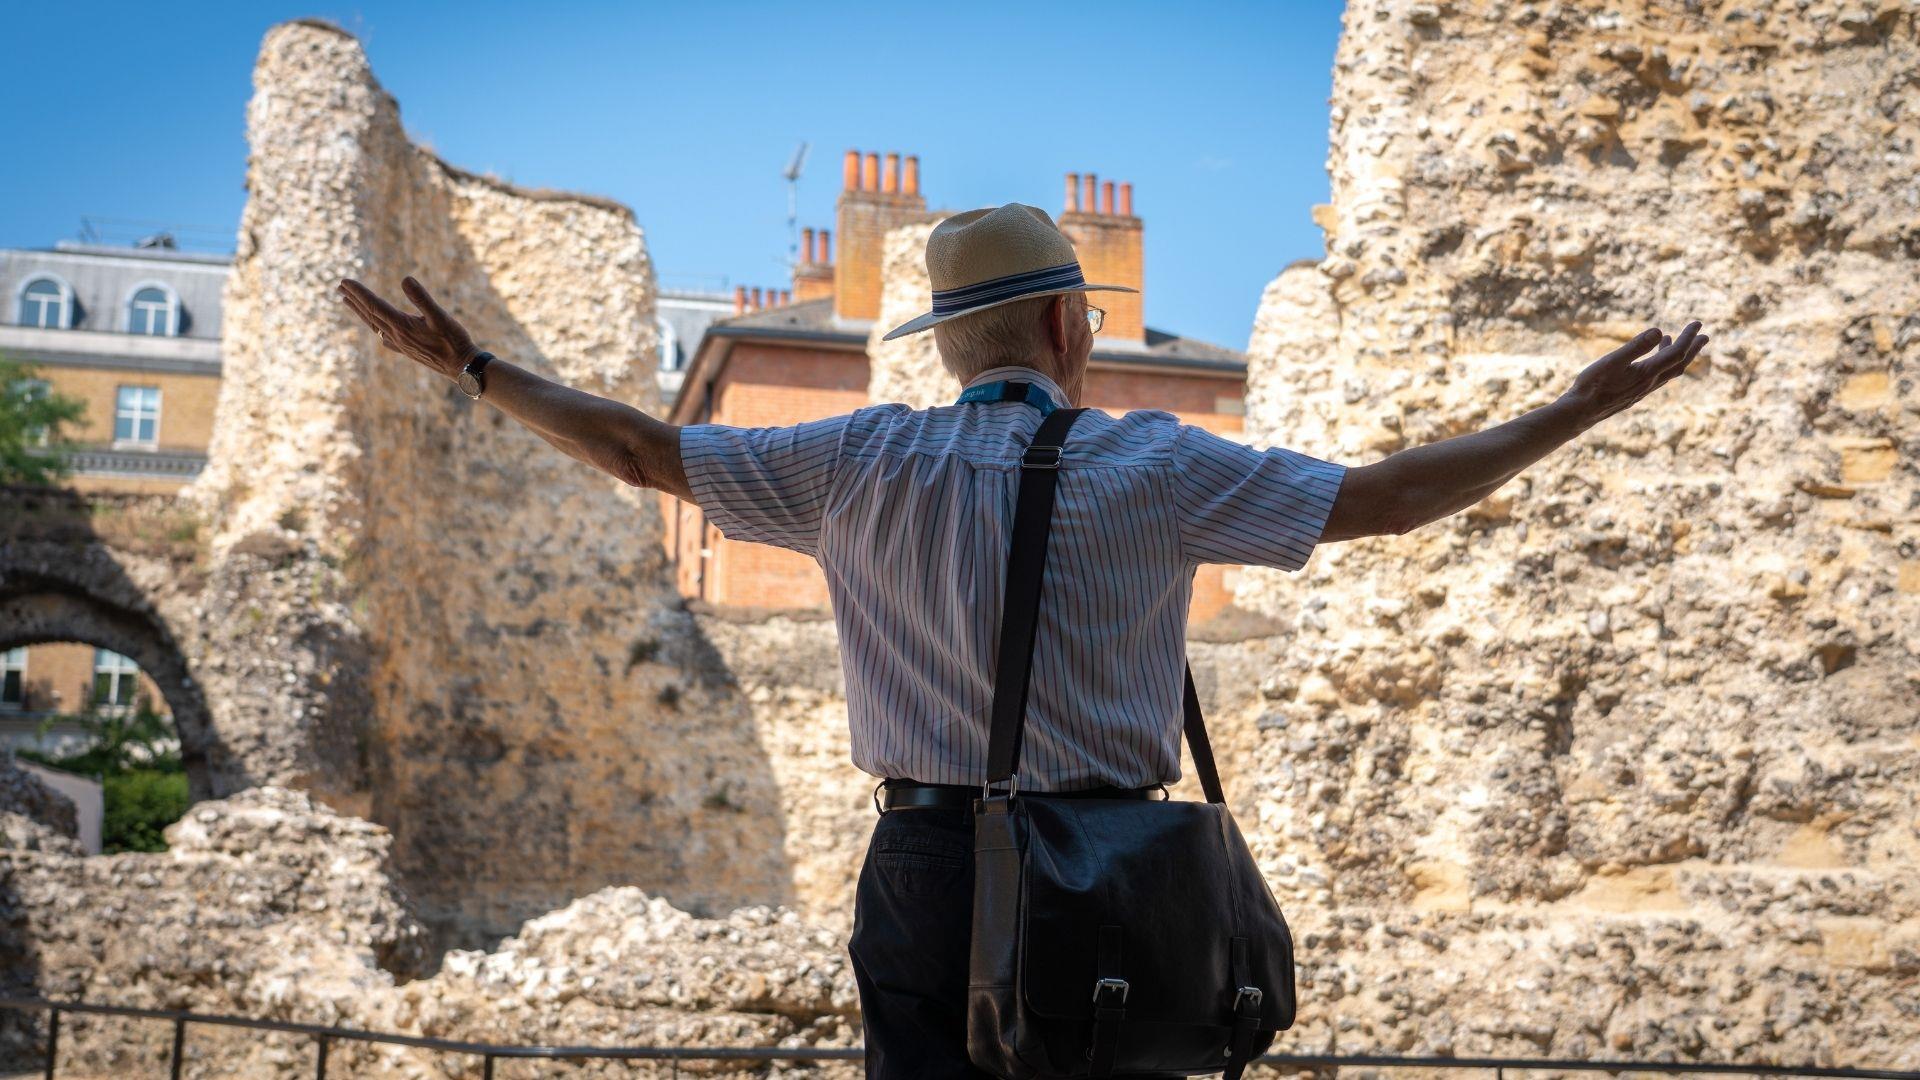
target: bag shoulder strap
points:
(1020, 614)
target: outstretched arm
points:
(1425, 483)
(609, 435)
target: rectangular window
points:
(115, 678)
(136, 417)
(13, 678)
(33, 390)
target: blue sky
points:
(1217, 114)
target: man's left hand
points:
(432, 337)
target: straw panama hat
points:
(983, 258)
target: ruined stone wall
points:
(464, 634)
(1636, 733)
(269, 905)
(906, 369)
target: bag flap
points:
(1178, 879)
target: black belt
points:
(912, 794)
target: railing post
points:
(486, 1069)
(53, 1040)
(320, 1068)
(179, 1044)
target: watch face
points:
(469, 383)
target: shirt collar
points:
(1025, 374)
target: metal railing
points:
(324, 1036)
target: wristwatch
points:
(471, 381)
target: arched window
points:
(153, 308)
(46, 301)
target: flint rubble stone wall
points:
(906, 369)
(33, 816)
(1636, 732)
(464, 634)
(272, 906)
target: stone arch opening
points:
(40, 607)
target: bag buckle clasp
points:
(1027, 459)
(986, 788)
(1247, 1001)
(1110, 987)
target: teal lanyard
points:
(1011, 390)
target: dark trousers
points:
(912, 933)
(912, 923)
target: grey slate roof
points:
(104, 278)
(685, 315)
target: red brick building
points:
(797, 354)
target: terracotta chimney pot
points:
(870, 173)
(912, 178)
(850, 171)
(1106, 197)
(739, 299)
(1086, 193)
(1073, 192)
(1126, 200)
(890, 177)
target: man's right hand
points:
(1621, 377)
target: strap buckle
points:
(1109, 987)
(1247, 1001)
(1027, 459)
(1013, 785)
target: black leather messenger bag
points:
(1111, 937)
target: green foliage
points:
(31, 423)
(144, 783)
(140, 803)
(118, 740)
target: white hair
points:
(1010, 333)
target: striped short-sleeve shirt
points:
(910, 514)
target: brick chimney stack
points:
(1108, 240)
(813, 273)
(869, 205)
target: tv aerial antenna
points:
(792, 173)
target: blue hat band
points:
(1050, 279)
